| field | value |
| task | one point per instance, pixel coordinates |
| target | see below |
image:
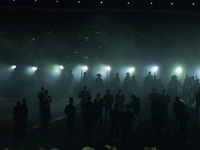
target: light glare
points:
(61, 67)
(131, 69)
(108, 68)
(85, 68)
(178, 70)
(155, 69)
(13, 67)
(34, 68)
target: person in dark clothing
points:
(127, 118)
(88, 118)
(197, 104)
(24, 109)
(41, 101)
(17, 112)
(46, 116)
(127, 85)
(70, 111)
(98, 110)
(158, 123)
(183, 118)
(164, 100)
(99, 84)
(154, 98)
(178, 107)
(47, 97)
(120, 99)
(108, 100)
(88, 104)
(84, 94)
(115, 116)
(135, 105)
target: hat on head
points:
(99, 75)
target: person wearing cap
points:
(70, 111)
(99, 84)
(127, 118)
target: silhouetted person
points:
(108, 100)
(148, 80)
(41, 101)
(47, 97)
(84, 94)
(183, 118)
(197, 104)
(127, 119)
(164, 100)
(178, 107)
(115, 117)
(85, 81)
(135, 104)
(70, 111)
(116, 83)
(160, 86)
(153, 97)
(17, 112)
(134, 84)
(158, 123)
(98, 110)
(127, 85)
(24, 109)
(99, 84)
(46, 116)
(186, 90)
(154, 82)
(88, 104)
(88, 118)
(120, 99)
(70, 83)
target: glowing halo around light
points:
(155, 68)
(179, 70)
(61, 67)
(85, 68)
(108, 68)
(13, 67)
(131, 69)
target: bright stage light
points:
(34, 68)
(85, 68)
(178, 70)
(155, 69)
(108, 68)
(61, 67)
(131, 69)
(14, 66)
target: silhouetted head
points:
(24, 101)
(84, 87)
(42, 89)
(127, 73)
(46, 92)
(85, 73)
(117, 74)
(108, 91)
(120, 91)
(98, 95)
(116, 105)
(99, 75)
(149, 73)
(133, 77)
(18, 103)
(177, 98)
(71, 100)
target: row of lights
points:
(85, 68)
(101, 2)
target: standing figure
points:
(154, 82)
(47, 97)
(127, 118)
(149, 79)
(164, 100)
(116, 83)
(17, 112)
(46, 116)
(70, 111)
(197, 104)
(134, 84)
(120, 99)
(88, 118)
(85, 81)
(70, 83)
(99, 84)
(135, 104)
(84, 94)
(183, 118)
(178, 107)
(127, 85)
(115, 116)
(24, 109)
(41, 101)
(160, 86)
(108, 100)
(98, 110)
(186, 90)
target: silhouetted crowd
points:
(118, 109)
